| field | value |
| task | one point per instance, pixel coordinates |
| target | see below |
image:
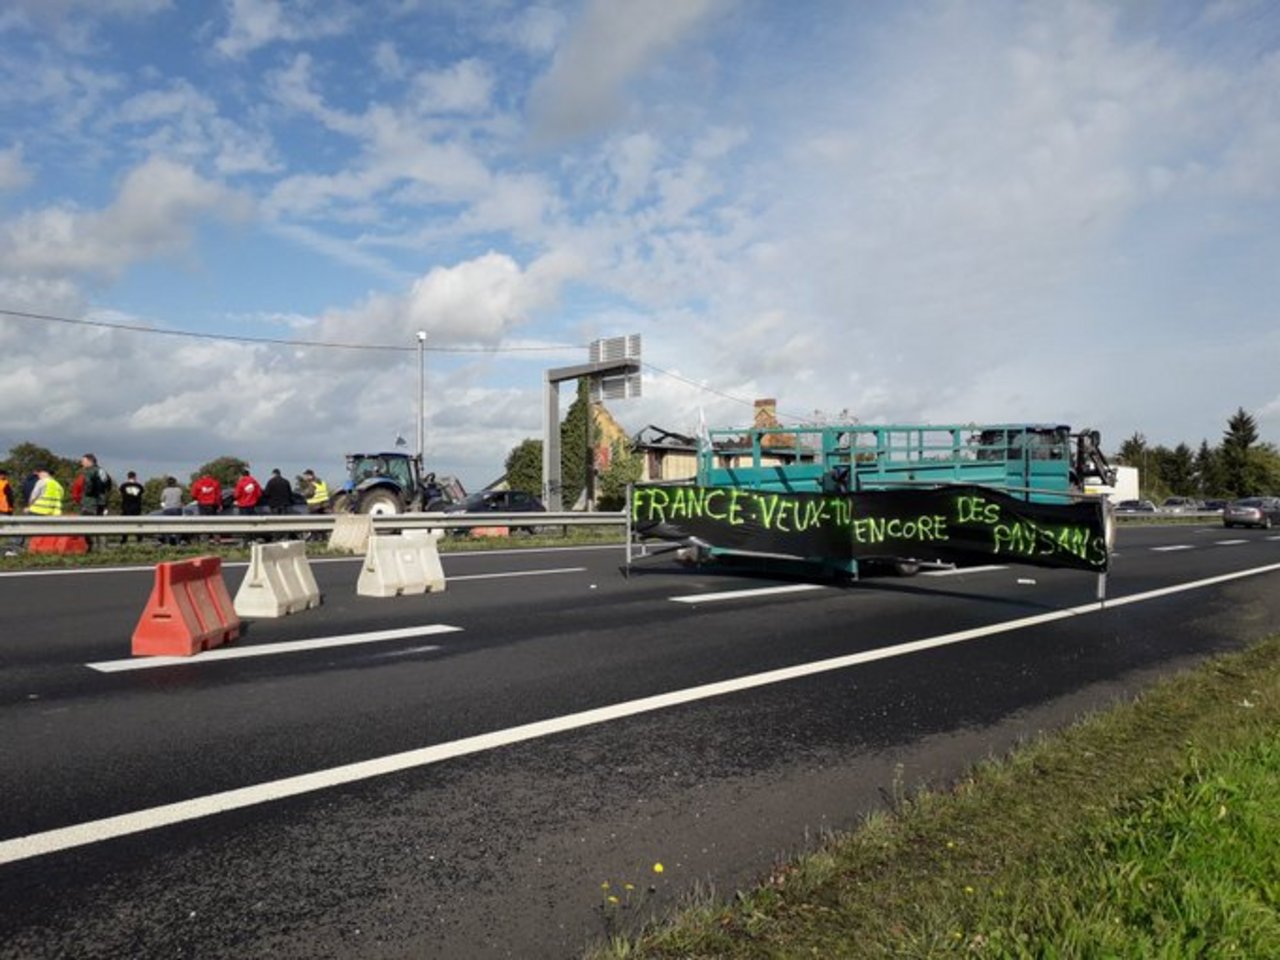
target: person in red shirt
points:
(207, 492)
(248, 493)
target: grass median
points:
(108, 551)
(1150, 830)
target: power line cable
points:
(371, 347)
(276, 341)
(721, 393)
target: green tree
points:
(1263, 469)
(1132, 451)
(524, 467)
(226, 470)
(577, 437)
(1208, 471)
(1177, 469)
(1240, 435)
(625, 467)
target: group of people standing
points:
(45, 495)
(250, 496)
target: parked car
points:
(1261, 512)
(1135, 506)
(498, 501)
(1179, 505)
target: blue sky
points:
(939, 212)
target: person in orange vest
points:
(8, 506)
(7, 503)
(248, 493)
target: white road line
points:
(94, 831)
(956, 571)
(1179, 546)
(270, 649)
(517, 573)
(743, 594)
(1228, 543)
(1274, 538)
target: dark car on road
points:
(498, 501)
(1135, 506)
(1261, 512)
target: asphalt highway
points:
(456, 775)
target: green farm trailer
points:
(1041, 463)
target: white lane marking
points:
(957, 571)
(518, 573)
(1229, 543)
(1274, 538)
(270, 649)
(94, 831)
(743, 594)
(1178, 546)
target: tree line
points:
(1238, 466)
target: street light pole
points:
(422, 396)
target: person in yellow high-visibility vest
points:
(46, 496)
(316, 491)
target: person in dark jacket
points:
(131, 501)
(277, 493)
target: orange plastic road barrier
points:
(58, 545)
(190, 610)
(490, 531)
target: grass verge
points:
(1150, 830)
(113, 553)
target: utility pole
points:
(422, 396)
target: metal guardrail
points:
(161, 526)
(71, 525)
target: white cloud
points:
(614, 41)
(181, 123)
(387, 59)
(479, 301)
(464, 87)
(536, 29)
(258, 23)
(14, 174)
(154, 213)
(397, 147)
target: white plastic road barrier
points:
(278, 582)
(351, 533)
(402, 565)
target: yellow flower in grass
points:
(658, 868)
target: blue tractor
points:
(392, 483)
